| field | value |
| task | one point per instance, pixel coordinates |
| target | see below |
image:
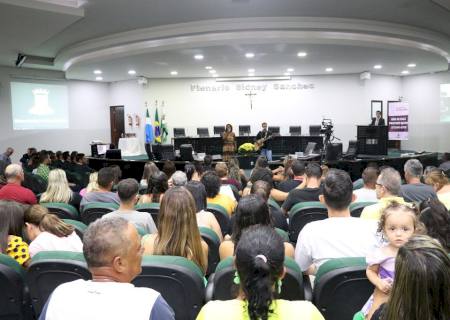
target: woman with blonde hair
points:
(47, 232)
(92, 185)
(441, 184)
(58, 190)
(178, 233)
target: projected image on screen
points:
(445, 102)
(39, 106)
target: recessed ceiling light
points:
(131, 72)
(99, 78)
(212, 71)
(290, 69)
(405, 72)
(329, 69)
(97, 71)
(198, 57)
(251, 70)
(411, 65)
(302, 54)
(377, 66)
(208, 67)
(249, 55)
(287, 74)
(174, 73)
(215, 75)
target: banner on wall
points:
(398, 116)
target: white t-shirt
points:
(226, 190)
(331, 238)
(142, 220)
(47, 241)
(365, 195)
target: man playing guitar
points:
(261, 142)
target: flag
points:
(148, 128)
(164, 132)
(157, 127)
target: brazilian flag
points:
(157, 127)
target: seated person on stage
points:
(157, 185)
(58, 190)
(113, 252)
(251, 210)
(367, 193)
(378, 120)
(310, 192)
(260, 267)
(222, 171)
(298, 170)
(47, 232)
(263, 188)
(441, 184)
(13, 190)
(43, 169)
(387, 189)
(105, 183)
(212, 184)
(415, 190)
(128, 190)
(178, 179)
(338, 236)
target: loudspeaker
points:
(113, 154)
(334, 151)
(163, 151)
(186, 152)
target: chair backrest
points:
(95, 210)
(12, 295)
(179, 281)
(221, 215)
(152, 208)
(271, 202)
(62, 210)
(283, 234)
(303, 213)
(358, 184)
(222, 287)
(213, 242)
(341, 288)
(79, 226)
(49, 269)
(357, 207)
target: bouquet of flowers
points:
(246, 148)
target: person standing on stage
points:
(261, 142)
(378, 120)
(229, 143)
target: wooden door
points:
(117, 120)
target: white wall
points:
(88, 114)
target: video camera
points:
(327, 127)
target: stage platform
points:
(133, 166)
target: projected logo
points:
(41, 106)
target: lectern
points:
(372, 140)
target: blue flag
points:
(148, 129)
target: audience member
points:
(261, 169)
(189, 169)
(339, 236)
(117, 173)
(43, 169)
(6, 156)
(212, 184)
(284, 172)
(222, 171)
(58, 190)
(92, 185)
(58, 161)
(207, 163)
(47, 232)
(236, 173)
(441, 184)
(11, 223)
(113, 252)
(414, 190)
(128, 191)
(367, 193)
(260, 268)
(66, 164)
(178, 179)
(13, 190)
(105, 183)
(387, 189)
(81, 165)
(436, 218)
(27, 156)
(251, 210)
(157, 186)
(2, 174)
(298, 170)
(149, 169)
(204, 218)
(169, 168)
(421, 289)
(445, 165)
(311, 190)
(178, 233)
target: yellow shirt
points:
(237, 310)
(374, 211)
(445, 199)
(225, 201)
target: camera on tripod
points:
(327, 127)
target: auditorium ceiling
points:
(159, 38)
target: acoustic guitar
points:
(260, 142)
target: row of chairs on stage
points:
(244, 130)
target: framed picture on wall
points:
(376, 105)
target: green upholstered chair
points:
(95, 210)
(152, 208)
(49, 269)
(79, 226)
(213, 242)
(271, 202)
(303, 213)
(341, 288)
(221, 215)
(283, 234)
(357, 207)
(62, 210)
(358, 184)
(179, 280)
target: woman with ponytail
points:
(260, 268)
(47, 232)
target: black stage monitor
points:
(244, 130)
(113, 154)
(315, 130)
(334, 151)
(203, 132)
(163, 151)
(179, 133)
(186, 152)
(295, 130)
(352, 150)
(219, 129)
(275, 130)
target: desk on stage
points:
(130, 147)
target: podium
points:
(372, 140)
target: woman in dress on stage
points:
(229, 143)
